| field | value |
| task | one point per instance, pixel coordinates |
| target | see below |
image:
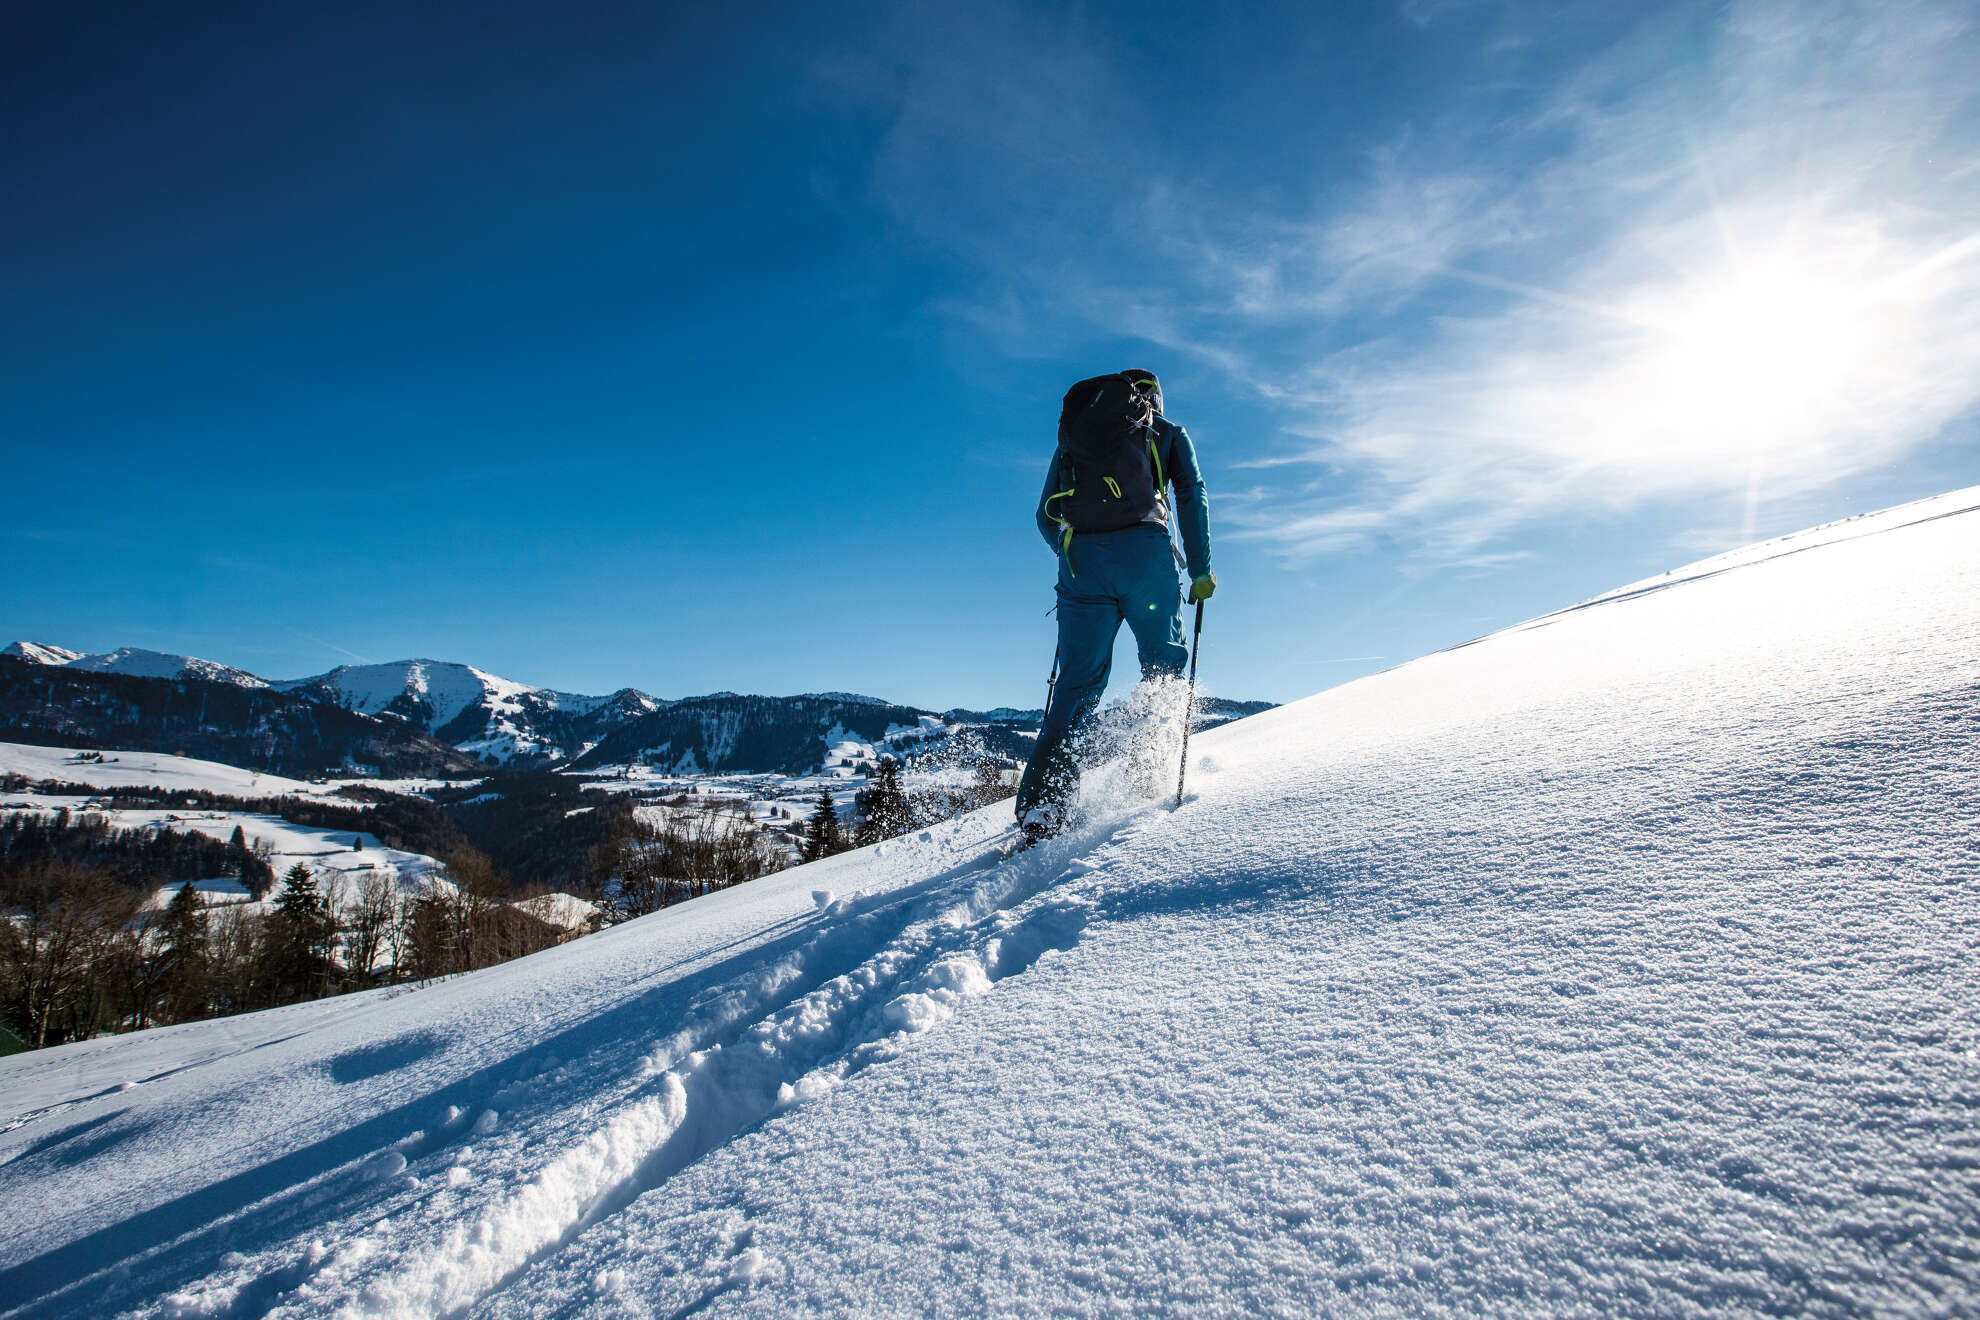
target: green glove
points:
(1203, 588)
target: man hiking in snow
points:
(1105, 512)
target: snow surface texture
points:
(1623, 963)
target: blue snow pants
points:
(1111, 576)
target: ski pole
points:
(1189, 711)
(1051, 683)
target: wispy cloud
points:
(1724, 252)
(1761, 282)
(332, 646)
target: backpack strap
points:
(1162, 494)
(1065, 541)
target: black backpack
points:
(1110, 468)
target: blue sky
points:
(720, 347)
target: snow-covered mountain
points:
(1619, 963)
(484, 715)
(488, 717)
(135, 662)
(37, 654)
(250, 726)
(500, 721)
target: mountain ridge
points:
(502, 722)
(256, 728)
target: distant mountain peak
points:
(135, 662)
(483, 714)
(501, 721)
(36, 653)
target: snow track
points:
(875, 974)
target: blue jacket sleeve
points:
(1192, 501)
(1046, 527)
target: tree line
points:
(83, 950)
(527, 822)
(650, 863)
(141, 857)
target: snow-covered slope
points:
(431, 693)
(66, 765)
(136, 662)
(36, 653)
(1619, 964)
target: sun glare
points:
(1759, 340)
(1753, 361)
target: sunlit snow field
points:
(1622, 963)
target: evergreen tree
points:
(884, 812)
(989, 785)
(823, 837)
(301, 949)
(257, 876)
(187, 957)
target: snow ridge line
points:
(751, 1048)
(1683, 576)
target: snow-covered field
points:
(1622, 963)
(330, 854)
(118, 769)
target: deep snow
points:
(1619, 963)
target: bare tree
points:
(479, 892)
(238, 936)
(688, 852)
(399, 935)
(67, 917)
(369, 921)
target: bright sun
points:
(1752, 361)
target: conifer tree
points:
(305, 930)
(989, 785)
(188, 957)
(884, 812)
(823, 837)
(257, 876)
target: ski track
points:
(852, 995)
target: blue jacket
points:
(1192, 502)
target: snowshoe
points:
(1037, 825)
